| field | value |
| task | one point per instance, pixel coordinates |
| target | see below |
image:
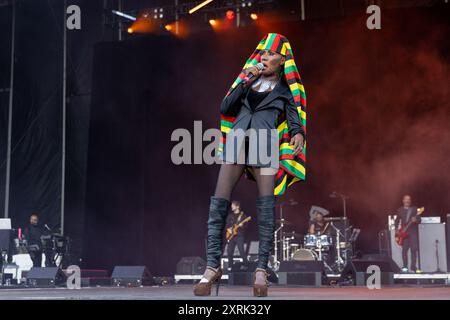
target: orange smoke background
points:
(378, 114)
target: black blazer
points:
(265, 115)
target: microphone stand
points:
(344, 207)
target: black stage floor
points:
(184, 292)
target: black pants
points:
(239, 241)
(36, 257)
(410, 243)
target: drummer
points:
(317, 224)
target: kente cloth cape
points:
(291, 168)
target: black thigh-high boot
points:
(218, 212)
(265, 208)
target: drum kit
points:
(334, 248)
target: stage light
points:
(126, 16)
(254, 16)
(168, 27)
(158, 13)
(130, 30)
(201, 5)
(230, 14)
(213, 22)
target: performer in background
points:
(267, 96)
(317, 225)
(236, 219)
(406, 214)
(33, 233)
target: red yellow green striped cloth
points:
(292, 168)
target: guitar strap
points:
(239, 219)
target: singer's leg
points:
(229, 175)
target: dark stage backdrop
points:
(35, 185)
(37, 111)
(378, 117)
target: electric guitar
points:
(402, 233)
(233, 230)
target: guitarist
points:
(235, 218)
(406, 214)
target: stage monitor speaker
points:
(191, 266)
(46, 277)
(131, 276)
(383, 257)
(301, 266)
(303, 273)
(356, 272)
(242, 274)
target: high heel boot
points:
(218, 212)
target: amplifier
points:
(448, 241)
(432, 247)
(430, 220)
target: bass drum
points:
(304, 255)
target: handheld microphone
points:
(250, 76)
(47, 227)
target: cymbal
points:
(284, 221)
(334, 218)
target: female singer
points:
(267, 95)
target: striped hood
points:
(292, 168)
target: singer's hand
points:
(253, 70)
(297, 142)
